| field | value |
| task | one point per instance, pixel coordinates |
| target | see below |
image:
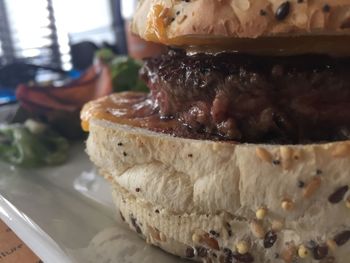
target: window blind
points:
(29, 33)
(6, 46)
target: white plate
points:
(66, 214)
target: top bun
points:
(193, 22)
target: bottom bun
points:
(223, 202)
(172, 233)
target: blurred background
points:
(48, 31)
(61, 36)
(56, 55)
(55, 33)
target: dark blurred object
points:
(119, 27)
(16, 73)
(13, 74)
(112, 47)
(83, 54)
(60, 105)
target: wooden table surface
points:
(12, 249)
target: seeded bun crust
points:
(231, 23)
(208, 200)
(241, 18)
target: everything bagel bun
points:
(227, 202)
(233, 24)
(240, 152)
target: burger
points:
(241, 150)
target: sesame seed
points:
(210, 242)
(121, 216)
(338, 195)
(311, 244)
(263, 154)
(282, 11)
(287, 205)
(189, 252)
(326, 8)
(214, 233)
(331, 244)
(341, 151)
(162, 236)
(257, 229)
(242, 247)
(261, 213)
(320, 252)
(347, 203)
(202, 252)
(125, 154)
(301, 184)
(270, 239)
(196, 238)
(276, 162)
(342, 238)
(263, 12)
(312, 187)
(303, 252)
(277, 225)
(181, 19)
(227, 251)
(286, 155)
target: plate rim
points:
(31, 234)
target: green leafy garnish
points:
(22, 147)
(105, 55)
(125, 71)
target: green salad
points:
(32, 144)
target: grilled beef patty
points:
(245, 98)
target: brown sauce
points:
(130, 108)
(137, 109)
